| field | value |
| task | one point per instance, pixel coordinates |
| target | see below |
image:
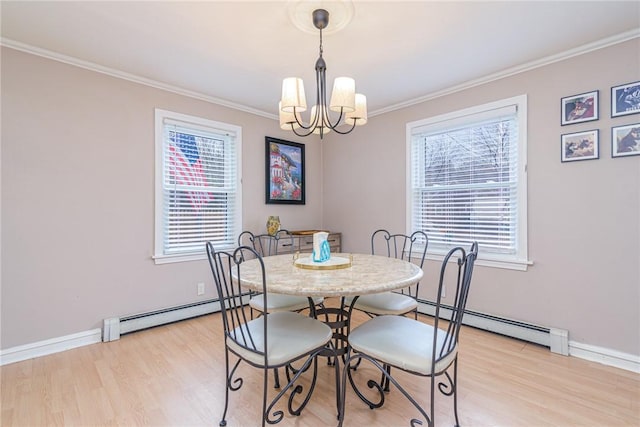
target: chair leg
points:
(455, 391)
(265, 381)
(339, 397)
(342, 389)
(276, 378)
(272, 416)
(223, 421)
(384, 383)
(433, 400)
(371, 384)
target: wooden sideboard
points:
(304, 243)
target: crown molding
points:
(130, 77)
(580, 50)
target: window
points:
(198, 192)
(467, 181)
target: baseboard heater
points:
(556, 339)
(114, 327)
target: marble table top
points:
(367, 274)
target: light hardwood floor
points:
(174, 376)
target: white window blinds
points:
(465, 180)
(199, 188)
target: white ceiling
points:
(238, 52)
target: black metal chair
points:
(401, 246)
(266, 245)
(400, 302)
(270, 341)
(413, 346)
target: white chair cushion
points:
(402, 342)
(290, 336)
(279, 302)
(385, 303)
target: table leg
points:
(339, 320)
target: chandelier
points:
(350, 107)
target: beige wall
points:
(584, 217)
(78, 198)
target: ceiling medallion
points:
(341, 12)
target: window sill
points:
(168, 259)
(504, 263)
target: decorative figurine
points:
(273, 225)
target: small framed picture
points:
(580, 108)
(625, 99)
(580, 146)
(625, 140)
(284, 169)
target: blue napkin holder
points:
(324, 255)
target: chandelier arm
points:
(298, 122)
(333, 126)
(353, 126)
(303, 134)
(301, 125)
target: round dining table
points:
(358, 274)
(344, 275)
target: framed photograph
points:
(579, 108)
(625, 140)
(284, 172)
(580, 146)
(625, 99)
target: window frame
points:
(519, 260)
(161, 115)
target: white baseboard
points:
(113, 328)
(556, 339)
(617, 359)
(50, 346)
(593, 353)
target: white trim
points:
(554, 338)
(617, 359)
(518, 261)
(231, 131)
(50, 346)
(130, 77)
(167, 259)
(507, 264)
(580, 50)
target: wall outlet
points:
(201, 288)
